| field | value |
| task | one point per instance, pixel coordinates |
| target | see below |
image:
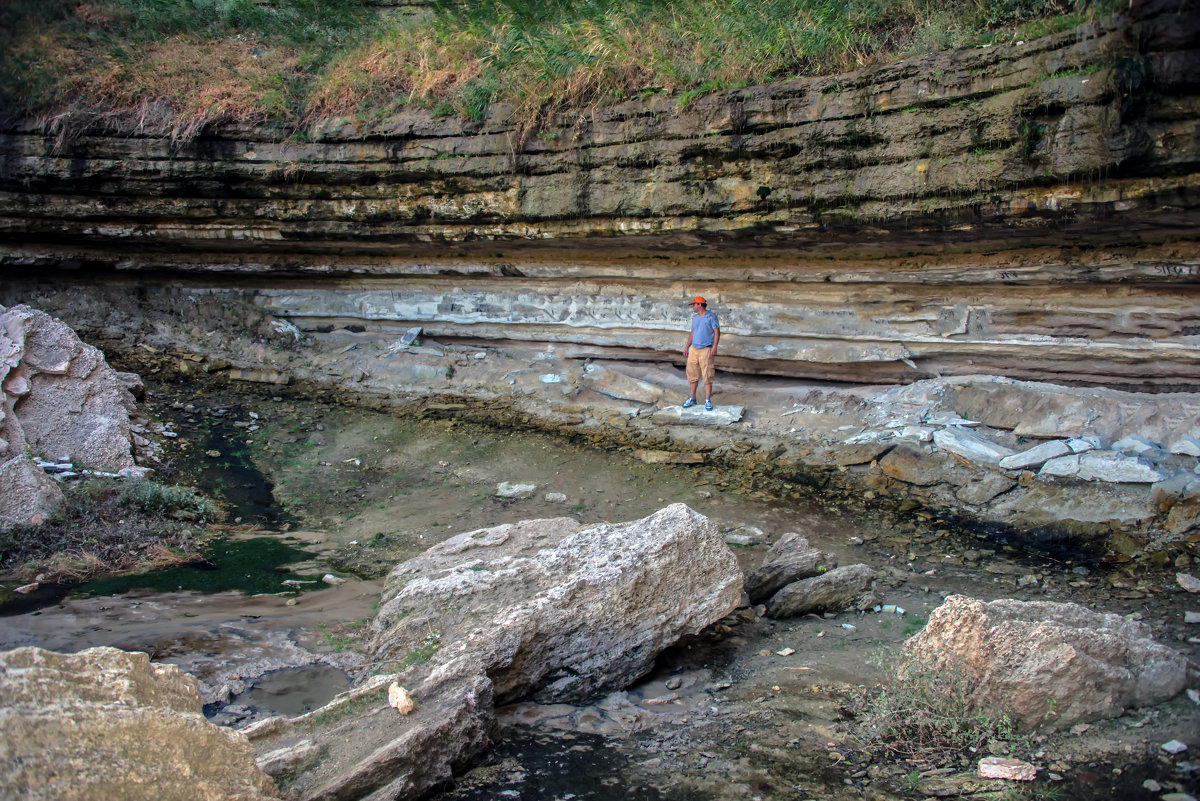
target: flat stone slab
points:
(1186, 446)
(1104, 466)
(618, 385)
(698, 416)
(970, 446)
(667, 457)
(1036, 456)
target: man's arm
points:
(687, 346)
(716, 339)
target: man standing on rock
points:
(701, 350)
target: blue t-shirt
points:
(703, 326)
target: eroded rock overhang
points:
(1027, 210)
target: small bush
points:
(926, 715)
(178, 502)
(106, 529)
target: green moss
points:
(250, 566)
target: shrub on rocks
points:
(1050, 664)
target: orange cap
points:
(699, 299)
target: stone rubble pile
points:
(1030, 454)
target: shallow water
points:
(296, 691)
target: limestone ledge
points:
(936, 442)
(984, 448)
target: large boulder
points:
(61, 400)
(1050, 664)
(103, 724)
(545, 609)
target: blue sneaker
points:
(707, 405)
(689, 402)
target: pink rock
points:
(1003, 768)
(1049, 664)
(58, 397)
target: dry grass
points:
(175, 68)
(76, 567)
(107, 528)
(398, 68)
(177, 88)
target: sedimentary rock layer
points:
(1027, 209)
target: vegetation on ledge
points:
(106, 528)
(174, 67)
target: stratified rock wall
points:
(1027, 210)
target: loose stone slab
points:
(1085, 444)
(508, 489)
(985, 489)
(1136, 444)
(1004, 768)
(788, 560)
(847, 587)
(1036, 456)
(1107, 466)
(1063, 466)
(667, 457)
(970, 446)
(1118, 468)
(1186, 446)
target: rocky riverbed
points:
(749, 707)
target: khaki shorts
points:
(700, 364)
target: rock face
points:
(1051, 664)
(545, 609)
(62, 401)
(104, 724)
(1027, 210)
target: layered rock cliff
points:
(1027, 210)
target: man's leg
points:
(706, 372)
(694, 374)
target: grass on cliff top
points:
(175, 67)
